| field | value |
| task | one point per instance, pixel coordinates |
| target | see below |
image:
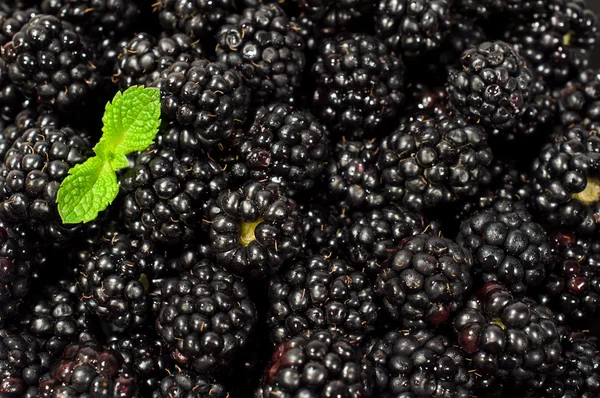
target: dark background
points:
(595, 5)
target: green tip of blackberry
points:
(247, 232)
(591, 193)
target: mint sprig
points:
(131, 122)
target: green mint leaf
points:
(131, 122)
(89, 189)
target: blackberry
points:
(48, 61)
(144, 352)
(573, 285)
(167, 195)
(11, 99)
(412, 27)
(319, 363)
(322, 225)
(88, 369)
(255, 229)
(262, 44)
(321, 293)
(284, 145)
(32, 172)
(206, 317)
(557, 39)
(508, 338)
(539, 114)
(22, 363)
(425, 163)
(12, 20)
(425, 280)
(418, 364)
(143, 58)
(352, 174)
(184, 384)
(566, 179)
(58, 318)
(333, 16)
(115, 279)
(207, 98)
(507, 245)
(360, 85)
(492, 85)
(371, 237)
(194, 18)
(24, 120)
(579, 99)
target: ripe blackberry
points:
(184, 384)
(206, 317)
(97, 18)
(371, 237)
(194, 18)
(573, 285)
(425, 280)
(143, 58)
(58, 318)
(491, 86)
(539, 114)
(557, 39)
(89, 369)
(322, 225)
(425, 163)
(22, 363)
(32, 172)
(509, 338)
(283, 145)
(507, 245)
(315, 364)
(12, 100)
(262, 44)
(579, 99)
(566, 179)
(255, 229)
(418, 364)
(115, 279)
(144, 352)
(49, 62)
(319, 293)
(360, 85)
(333, 16)
(167, 194)
(352, 175)
(13, 19)
(208, 98)
(412, 27)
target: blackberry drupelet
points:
(412, 28)
(49, 62)
(507, 245)
(425, 163)
(22, 363)
(89, 369)
(579, 99)
(209, 99)
(114, 280)
(352, 174)
(12, 20)
(206, 317)
(255, 229)
(194, 18)
(508, 338)
(566, 179)
(425, 280)
(185, 384)
(557, 39)
(573, 285)
(492, 85)
(360, 85)
(262, 44)
(143, 58)
(370, 238)
(167, 194)
(315, 364)
(32, 172)
(319, 293)
(418, 364)
(147, 356)
(284, 145)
